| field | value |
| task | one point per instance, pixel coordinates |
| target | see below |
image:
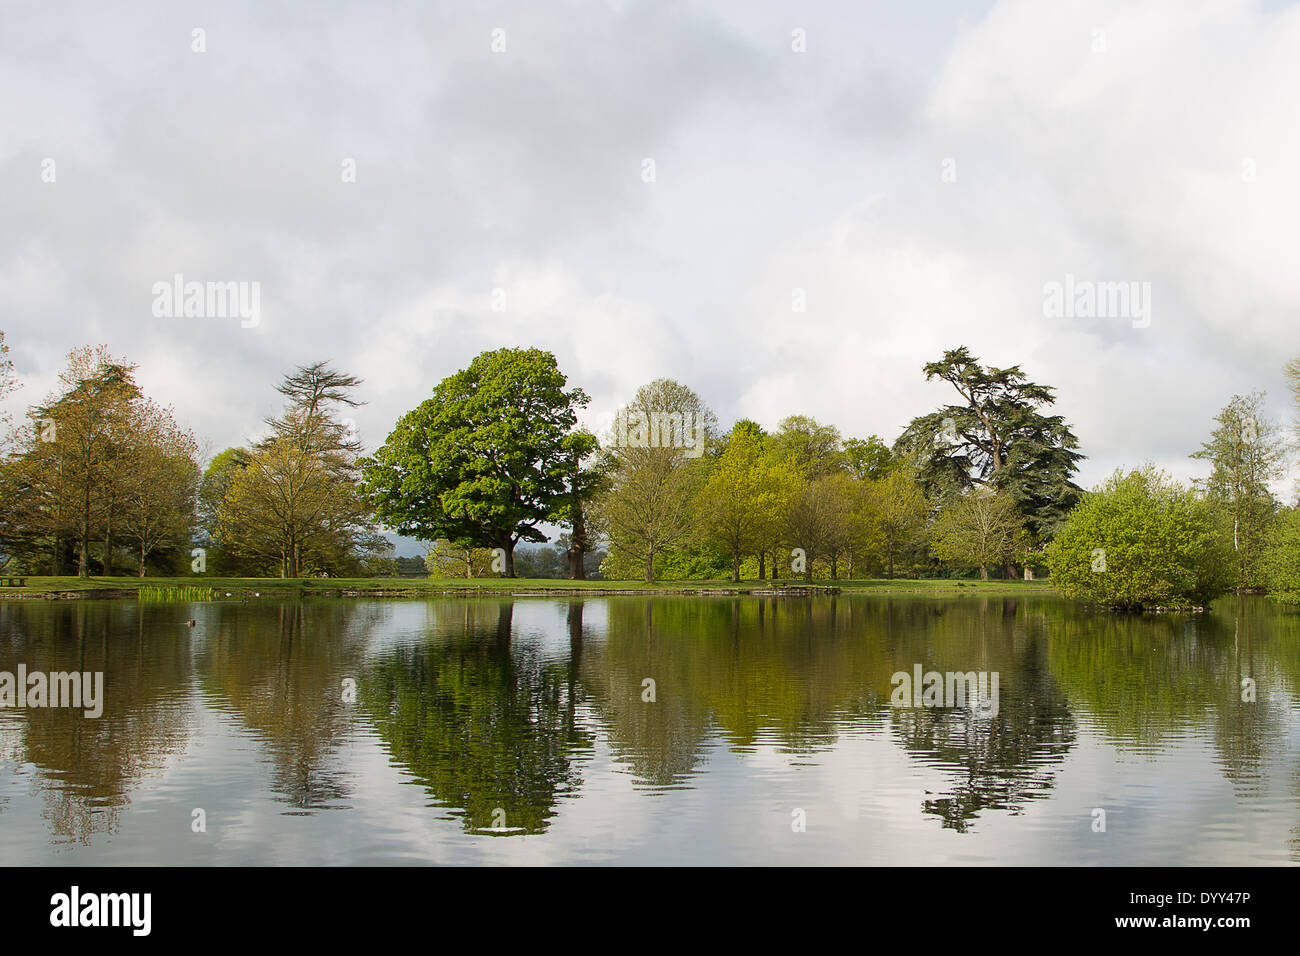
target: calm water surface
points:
(490, 731)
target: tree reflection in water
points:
(500, 724)
(87, 767)
(489, 728)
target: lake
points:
(653, 730)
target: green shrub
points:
(1281, 563)
(1141, 540)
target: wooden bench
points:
(13, 582)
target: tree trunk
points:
(83, 556)
(762, 565)
(735, 566)
(578, 544)
(650, 566)
(107, 569)
(835, 567)
(142, 556)
(509, 549)
(1241, 558)
(890, 573)
(984, 572)
(83, 562)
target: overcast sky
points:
(920, 172)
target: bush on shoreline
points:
(1141, 540)
(1281, 561)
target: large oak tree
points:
(488, 458)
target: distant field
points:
(347, 587)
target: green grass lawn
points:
(240, 587)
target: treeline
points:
(103, 480)
(976, 487)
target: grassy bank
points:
(192, 588)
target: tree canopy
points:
(99, 465)
(292, 503)
(995, 438)
(485, 460)
(1247, 455)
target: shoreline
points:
(221, 589)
